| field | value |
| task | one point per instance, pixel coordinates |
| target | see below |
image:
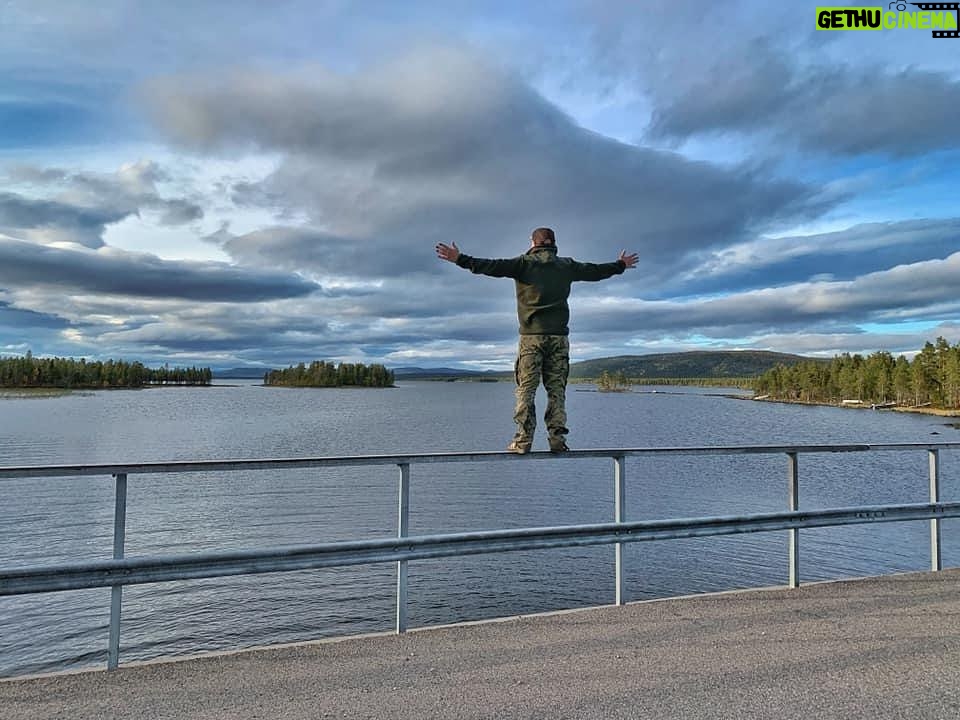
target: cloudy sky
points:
(248, 183)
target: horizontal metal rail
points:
(141, 570)
(199, 466)
(121, 570)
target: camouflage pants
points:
(545, 357)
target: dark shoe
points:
(520, 448)
(558, 445)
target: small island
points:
(613, 382)
(28, 372)
(322, 374)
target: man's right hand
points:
(628, 260)
(448, 252)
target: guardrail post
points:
(403, 528)
(116, 591)
(619, 515)
(794, 533)
(936, 562)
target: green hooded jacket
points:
(543, 284)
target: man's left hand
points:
(448, 252)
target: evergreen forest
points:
(30, 372)
(323, 374)
(931, 379)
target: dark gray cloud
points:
(28, 320)
(24, 264)
(84, 226)
(291, 332)
(742, 92)
(369, 259)
(294, 248)
(824, 109)
(77, 207)
(474, 318)
(441, 145)
(905, 292)
(743, 68)
(846, 111)
(841, 255)
(178, 212)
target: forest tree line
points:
(931, 378)
(323, 374)
(28, 371)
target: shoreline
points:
(937, 412)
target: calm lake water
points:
(54, 520)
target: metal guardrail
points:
(122, 571)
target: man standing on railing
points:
(543, 285)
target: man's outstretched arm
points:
(592, 272)
(480, 266)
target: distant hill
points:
(419, 373)
(409, 373)
(438, 372)
(241, 373)
(693, 364)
